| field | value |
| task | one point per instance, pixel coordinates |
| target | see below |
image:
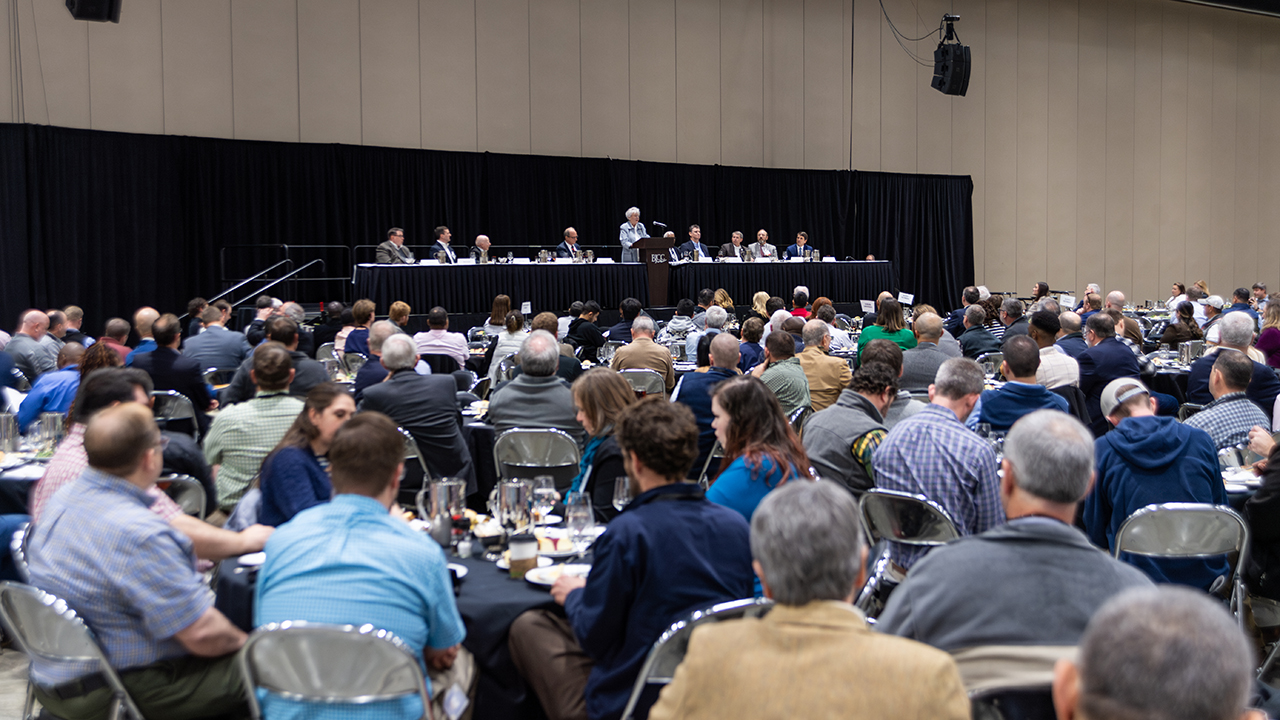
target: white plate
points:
(253, 559)
(504, 564)
(547, 576)
(550, 519)
(461, 570)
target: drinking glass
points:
(621, 492)
(544, 496)
(989, 368)
(581, 522)
(984, 430)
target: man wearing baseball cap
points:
(1144, 460)
(1213, 313)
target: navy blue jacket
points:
(370, 373)
(695, 391)
(669, 552)
(358, 342)
(797, 251)
(687, 247)
(954, 322)
(1147, 460)
(977, 341)
(1073, 344)
(1099, 365)
(1262, 389)
(292, 481)
(1002, 408)
(1244, 308)
(620, 332)
(749, 355)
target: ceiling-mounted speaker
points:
(951, 69)
(95, 10)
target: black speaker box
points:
(96, 10)
(951, 69)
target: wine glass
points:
(544, 497)
(581, 522)
(621, 492)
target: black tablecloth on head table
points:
(471, 288)
(842, 282)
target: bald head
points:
(928, 328)
(482, 242)
(118, 439)
(143, 319)
(1115, 299)
(1070, 322)
(725, 351)
(70, 354)
(35, 324)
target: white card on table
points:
(526, 307)
(906, 298)
(868, 305)
(1068, 302)
(466, 261)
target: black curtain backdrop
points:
(113, 221)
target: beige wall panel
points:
(1120, 134)
(1248, 132)
(555, 83)
(933, 109)
(741, 82)
(64, 64)
(1033, 143)
(502, 75)
(866, 84)
(652, 27)
(846, 83)
(698, 81)
(389, 66)
(606, 99)
(329, 71)
(197, 68)
(264, 63)
(1002, 149)
(1222, 168)
(968, 120)
(1173, 149)
(8, 103)
(447, 42)
(31, 102)
(1148, 29)
(898, 101)
(1063, 102)
(126, 87)
(1268, 259)
(784, 83)
(825, 134)
(1091, 150)
(1199, 112)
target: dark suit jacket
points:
(307, 374)
(389, 254)
(954, 322)
(742, 251)
(1099, 365)
(1262, 389)
(439, 247)
(426, 406)
(976, 341)
(564, 251)
(1017, 327)
(170, 370)
(794, 250)
(1073, 345)
(369, 374)
(217, 347)
(920, 366)
(686, 248)
(325, 333)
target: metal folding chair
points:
(353, 361)
(18, 548)
(187, 492)
(717, 452)
(1186, 410)
(902, 518)
(528, 452)
(799, 417)
(170, 405)
(507, 366)
(46, 629)
(330, 665)
(670, 648)
(1020, 703)
(644, 380)
(326, 351)
(411, 452)
(214, 376)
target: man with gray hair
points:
(424, 405)
(306, 340)
(732, 669)
(537, 397)
(1231, 415)
(827, 375)
(1037, 559)
(933, 454)
(976, 340)
(1013, 318)
(642, 353)
(1090, 289)
(713, 319)
(1236, 333)
(1165, 652)
(371, 373)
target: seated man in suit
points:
(372, 372)
(1071, 336)
(920, 364)
(835, 666)
(1106, 359)
(441, 245)
(537, 397)
(569, 368)
(954, 323)
(800, 247)
(693, 247)
(761, 249)
(629, 309)
(216, 346)
(393, 251)
(568, 248)
(976, 340)
(1235, 333)
(307, 372)
(170, 370)
(1038, 559)
(1021, 394)
(735, 247)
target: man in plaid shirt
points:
(1232, 414)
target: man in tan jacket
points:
(812, 655)
(643, 353)
(827, 375)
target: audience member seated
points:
(657, 562)
(696, 344)
(904, 406)
(1232, 414)
(890, 325)
(1184, 329)
(840, 339)
(584, 334)
(57, 328)
(75, 320)
(1057, 368)
(933, 454)
(706, 298)
(132, 578)
(947, 342)
(328, 330)
(1070, 338)
(358, 339)
(29, 356)
(1107, 359)
(170, 370)
(629, 310)
(348, 320)
(1146, 460)
(439, 341)
(1021, 394)
(264, 307)
(536, 398)
(1240, 303)
(1164, 652)
(372, 372)
(1269, 340)
(307, 342)
(976, 340)
(562, 324)
(295, 475)
(1235, 334)
(307, 373)
(216, 346)
(644, 354)
(1011, 315)
(750, 351)
(601, 395)
(954, 322)
(398, 314)
(680, 325)
(1262, 570)
(351, 562)
(424, 405)
(782, 372)
(569, 368)
(110, 387)
(507, 343)
(835, 666)
(695, 390)
(115, 333)
(1010, 602)
(725, 300)
(53, 391)
(841, 440)
(142, 320)
(920, 364)
(827, 376)
(1131, 329)
(243, 434)
(1092, 305)
(800, 302)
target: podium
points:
(654, 253)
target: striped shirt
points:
(242, 435)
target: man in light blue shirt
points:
(351, 562)
(54, 391)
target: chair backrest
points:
(481, 388)
(905, 518)
(507, 366)
(411, 452)
(214, 376)
(332, 367)
(441, 364)
(1183, 530)
(353, 361)
(326, 352)
(799, 417)
(476, 335)
(525, 452)
(187, 492)
(1021, 703)
(330, 664)
(669, 650)
(717, 452)
(1186, 410)
(644, 380)
(1076, 401)
(20, 381)
(170, 405)
(46, 628)
(995, 358)
(18, 548)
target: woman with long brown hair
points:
(1184, 327)
(498, 316)
(890, 325)
(600, 395)
(295, 474)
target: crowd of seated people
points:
(1078, 439)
